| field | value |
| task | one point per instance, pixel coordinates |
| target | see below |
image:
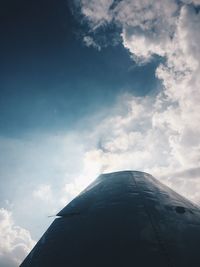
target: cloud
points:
(129, 139)
(97, 12)
(15, 242)
(35, 169)
(43, 192)
(140, 136)
(89, 41)
(190, 173)
(195, 2)
(159, 134)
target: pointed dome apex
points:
(125, 218)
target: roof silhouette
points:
(124, 219)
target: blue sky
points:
(92, 87)
(50, 83)
(49, 78)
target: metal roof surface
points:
(125, 218)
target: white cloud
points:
(160, 135)
(147, 139)
(43, 192)
(89, 41)
(15, 242)
(97, 12)
(35, 169)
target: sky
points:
(89, 87)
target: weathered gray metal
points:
(122, 219)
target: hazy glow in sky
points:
(93, 87)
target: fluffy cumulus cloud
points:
(159, 134)
(15, 242)
(97, 12)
